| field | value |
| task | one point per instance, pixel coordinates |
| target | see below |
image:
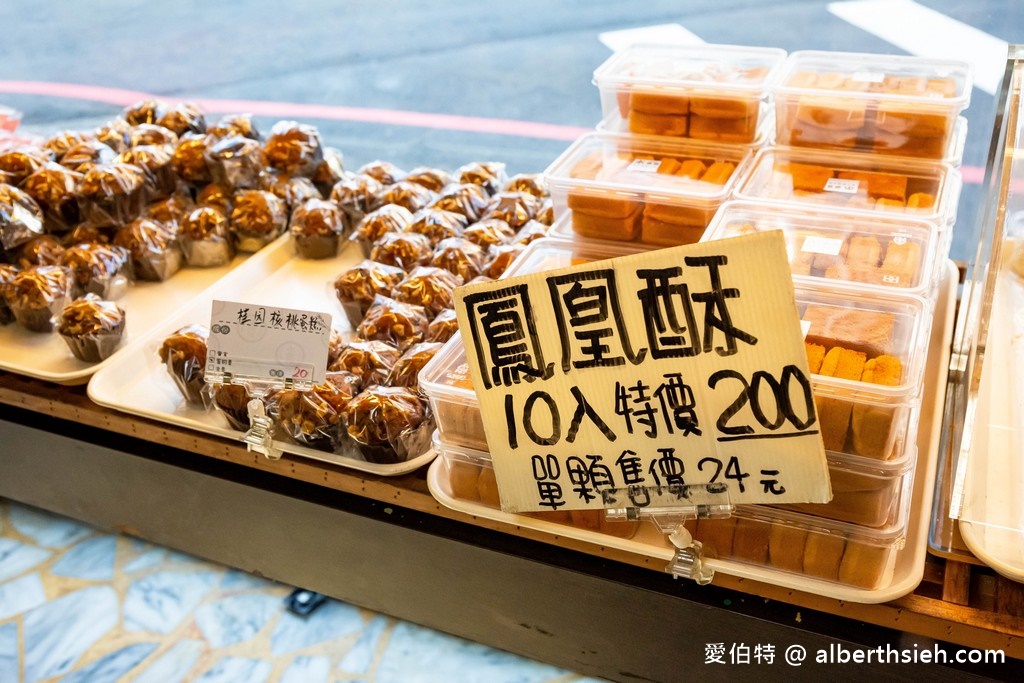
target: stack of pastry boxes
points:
(680, 127)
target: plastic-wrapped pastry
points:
(460, 257)
(232, 401)
(467, 199)
(92, 328)
(37, 295)
(44, 250)
(21, 162)
(97, 269)
(152, 134)
(533, 230)
(257, 219)
(384, 172)
(546, 213)
(335, 344)
(330, 171)
(356, 195)
(515, 208)
(502, 258)
(113, 194)
(294, 190)
(316, 228)
(403, 249)
(155, 162)
(114, 135)
(217, 196)
(530, 183)
(236, 124)
(189, 160)
(235, 162)
(61, 142)
(87, 232)
(313, 418)
(443, 327)
(144, 111)
(407, 369)
(370, 361)
(376, 224)
(21, 219)
(294, 148)
(489, 175)
(437, 225)
(390, 424)
(173, 209)
(205, 236)
(7, 273)
(182, 118)
(84, 156)
(184, 355)
(428, 287)
(397, 323)
(410, 195)
(358, 286)
(489, 233)
(152, 247)
(434, 179)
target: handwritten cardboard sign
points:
(281, 346)
(646, 373)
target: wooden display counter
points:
(386, 544)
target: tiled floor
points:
(83, 606)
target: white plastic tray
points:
(992, 519)
(909, 569)
(146, 304)
(133, 381)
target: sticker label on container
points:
(842, 185)
(815, 244)
(676, 367)
(644, 165)
(867, 76)
(282, 346)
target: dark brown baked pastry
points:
(330, 171)
(182, 118)
(294, 190)
(97, 269)
(443, 327)
(115, 135)
(502, 257)
(21, 219)
(437, 224)
(44, 250)
(86, 232)
(434, 179)
(357, 287)
(428, 287)
(334, 346)
(189, 160)
(466, 199)
(152, 134)
(397, 323)
(407, 368)
(294, 148)
(155, 162)
(113, 194)
(389, 424)
(92, 328)
(152, 247)
(7, 273)
(376, 224)
(313, 418)
(403, 249)
(37, 295)
(410, 195)
(370, 361)
(217, 196)
(384, 172)
(515, 208)
(184, 355)
(21, 162)
(258, 218)
(206, 238)
(61, 142)
(84, 156)
(144, 111)
(460, 257)
(232, 401)
(316, 228)
(530, 183)
(356, 195)
(236, 124)
(173, 209)
(235, 162)
(489, 233)
(489, 175)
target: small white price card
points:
(815, 244)
(644, 165)
(267, 343)
(650, 372)
(843, 185)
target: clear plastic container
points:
(706, 92)
(616, 124)
(882, 104)
(641, 189)
(836, 249)
(927, 191)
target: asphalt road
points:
(391, 62)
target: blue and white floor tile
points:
(80, 605)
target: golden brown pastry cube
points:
(723, 130)
(869, 331)
(823, 554)
(834, 413)
(604, 205)
(750, 540)
(810, 177)
(920, 200)
(642, 123)
(716, 535)
(487, 486)
(624, 229)
(462, 480)
(719, 172)
(864, 250)
(863, 564)
(815, 356)
(659, 102)
(786, 547)
(691, 168)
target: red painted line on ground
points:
(471, 124)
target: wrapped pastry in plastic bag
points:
(217, 196)
(335, 344)
(434, 179)
(489, 175)
(232, 401)
(182, 118)
(98, 269)
(152, 135)
(403, 249)
(236, 124)
(397, 323)
(55, 190)
(37, 295)
(530, 183)
(61, 142)
(189, 160)
(86, 232)
(443, 327)
(294, 190)
(370, 361)
(173, 209)
(407, 369)
(144, 111)
(460, 257)
(235, 162)
(376, 224)
(533, 230)
(428, 287)
(113, 194)
(358, 286)
(546, 213)
(489, 233)
(257, 219)
(466, 199)
(155, 162)
(294, 148)
(115, 135)
(316, 229)
(356, 195)
(44, 250)
(409, 195)
(184, 356)
(437, 224)
(384, 172)
(21, 162)
(501, 258)
(84, 156)
(313, 418)
(330, 171)
(7, 273)
(153, 248)
(389, 424)
(205, 236)
(21, 219)
(515, 208)
(92, 328)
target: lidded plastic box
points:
(882, 104)
(641, 189)
(706, 92)
(828, 249)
